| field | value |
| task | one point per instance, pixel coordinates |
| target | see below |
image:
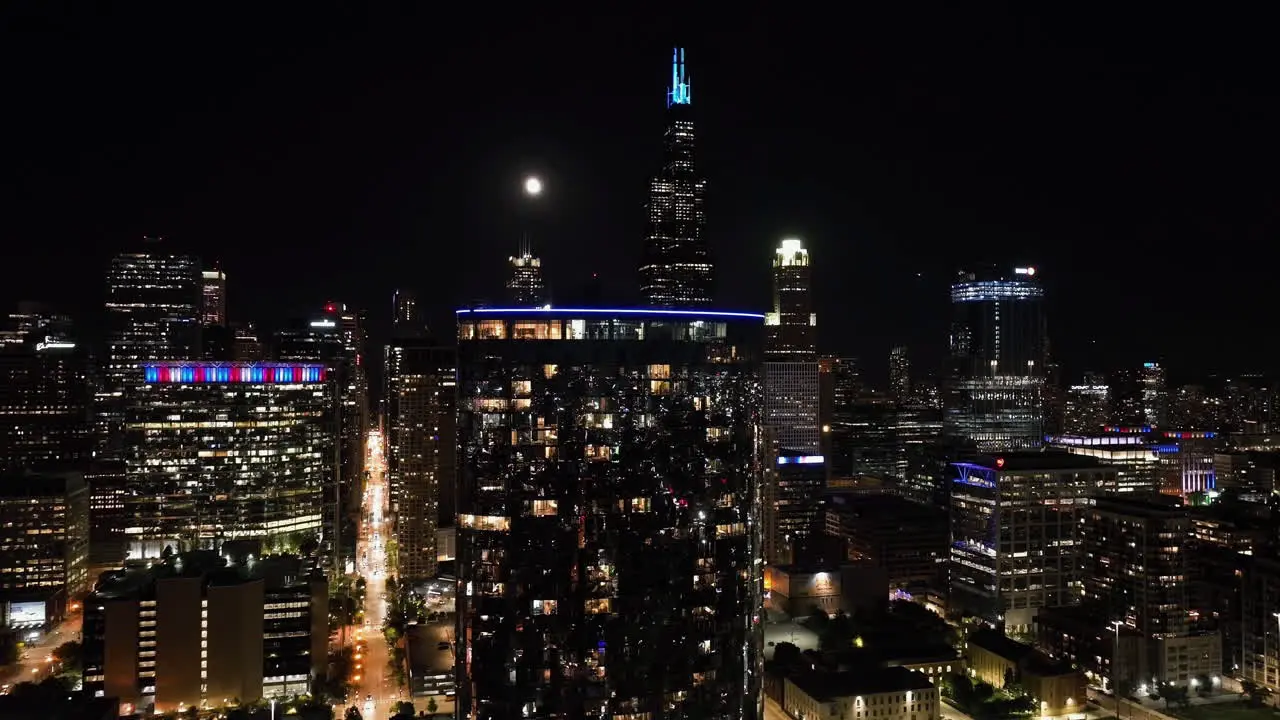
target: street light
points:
(1115, 666)
(533, 186)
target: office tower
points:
(790, 328)
(1014, 533)
(608, 532)
(1155, 399)
(246, 344)
(197, 632)
(791, 367)
(677, 269)
(44, 546)
(153, 314)
(899, 373)
(45, 396)
(336, 337)
(1135, 457)
(228, 451)
(996, 368)
(35, 322)
(1088, 406)
(406, 316)
(908, 540)
(421, 448)
(525, 287)
(214, 296)
(792, 401)
(108, 483)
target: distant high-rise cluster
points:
(214, 296)
(525, 286)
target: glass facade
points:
(997, 366)
(609, 559)
(226, 451)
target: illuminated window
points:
(536, 330)
(544, 607)
(541, 508)
(495, 523)
(549, 371)
(660, 372)
(491, 330)
(598, 606)
(521, 387)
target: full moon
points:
(532, 186)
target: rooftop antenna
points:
(681, 91)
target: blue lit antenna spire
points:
(680, 92)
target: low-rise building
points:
(193, 631)
(1055, 687)
(799, 590)
(894, 693)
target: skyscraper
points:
(996, 368)
(525, 287)
(154, 306)
(899, 373)
(677, 270)
(420, 399)
(609, 517)
(792, 399)
(214, 293)
(223, 451)
(406, 316)
(790, 327)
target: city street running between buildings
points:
(377, 691)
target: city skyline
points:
(873, 213)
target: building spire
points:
(681, 91)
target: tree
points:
(353, 713)
(838, 633)
(786, 654)
(1204, 685)
(1174, 695)
(983, 692)
(432, 706)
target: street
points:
(37, 659)
(378, 692)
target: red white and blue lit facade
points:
(255, 373)
(227, 451)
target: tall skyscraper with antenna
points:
(525, 286)
(676, 270)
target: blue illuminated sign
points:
(680, 92)
(651, 312)
(802, 460)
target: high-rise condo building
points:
(609, 519)
(420, 402)
(214, 294)
(792, 400)
(677, 269)
(900, 374)
(996, 368)
(153, 314)
(225, 451)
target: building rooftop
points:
(865, 681)
(1028, 657)
(35, 485)
(1142, 505)
(1047, 460)
(275, 571)
(649, 313)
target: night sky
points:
(344, 154)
